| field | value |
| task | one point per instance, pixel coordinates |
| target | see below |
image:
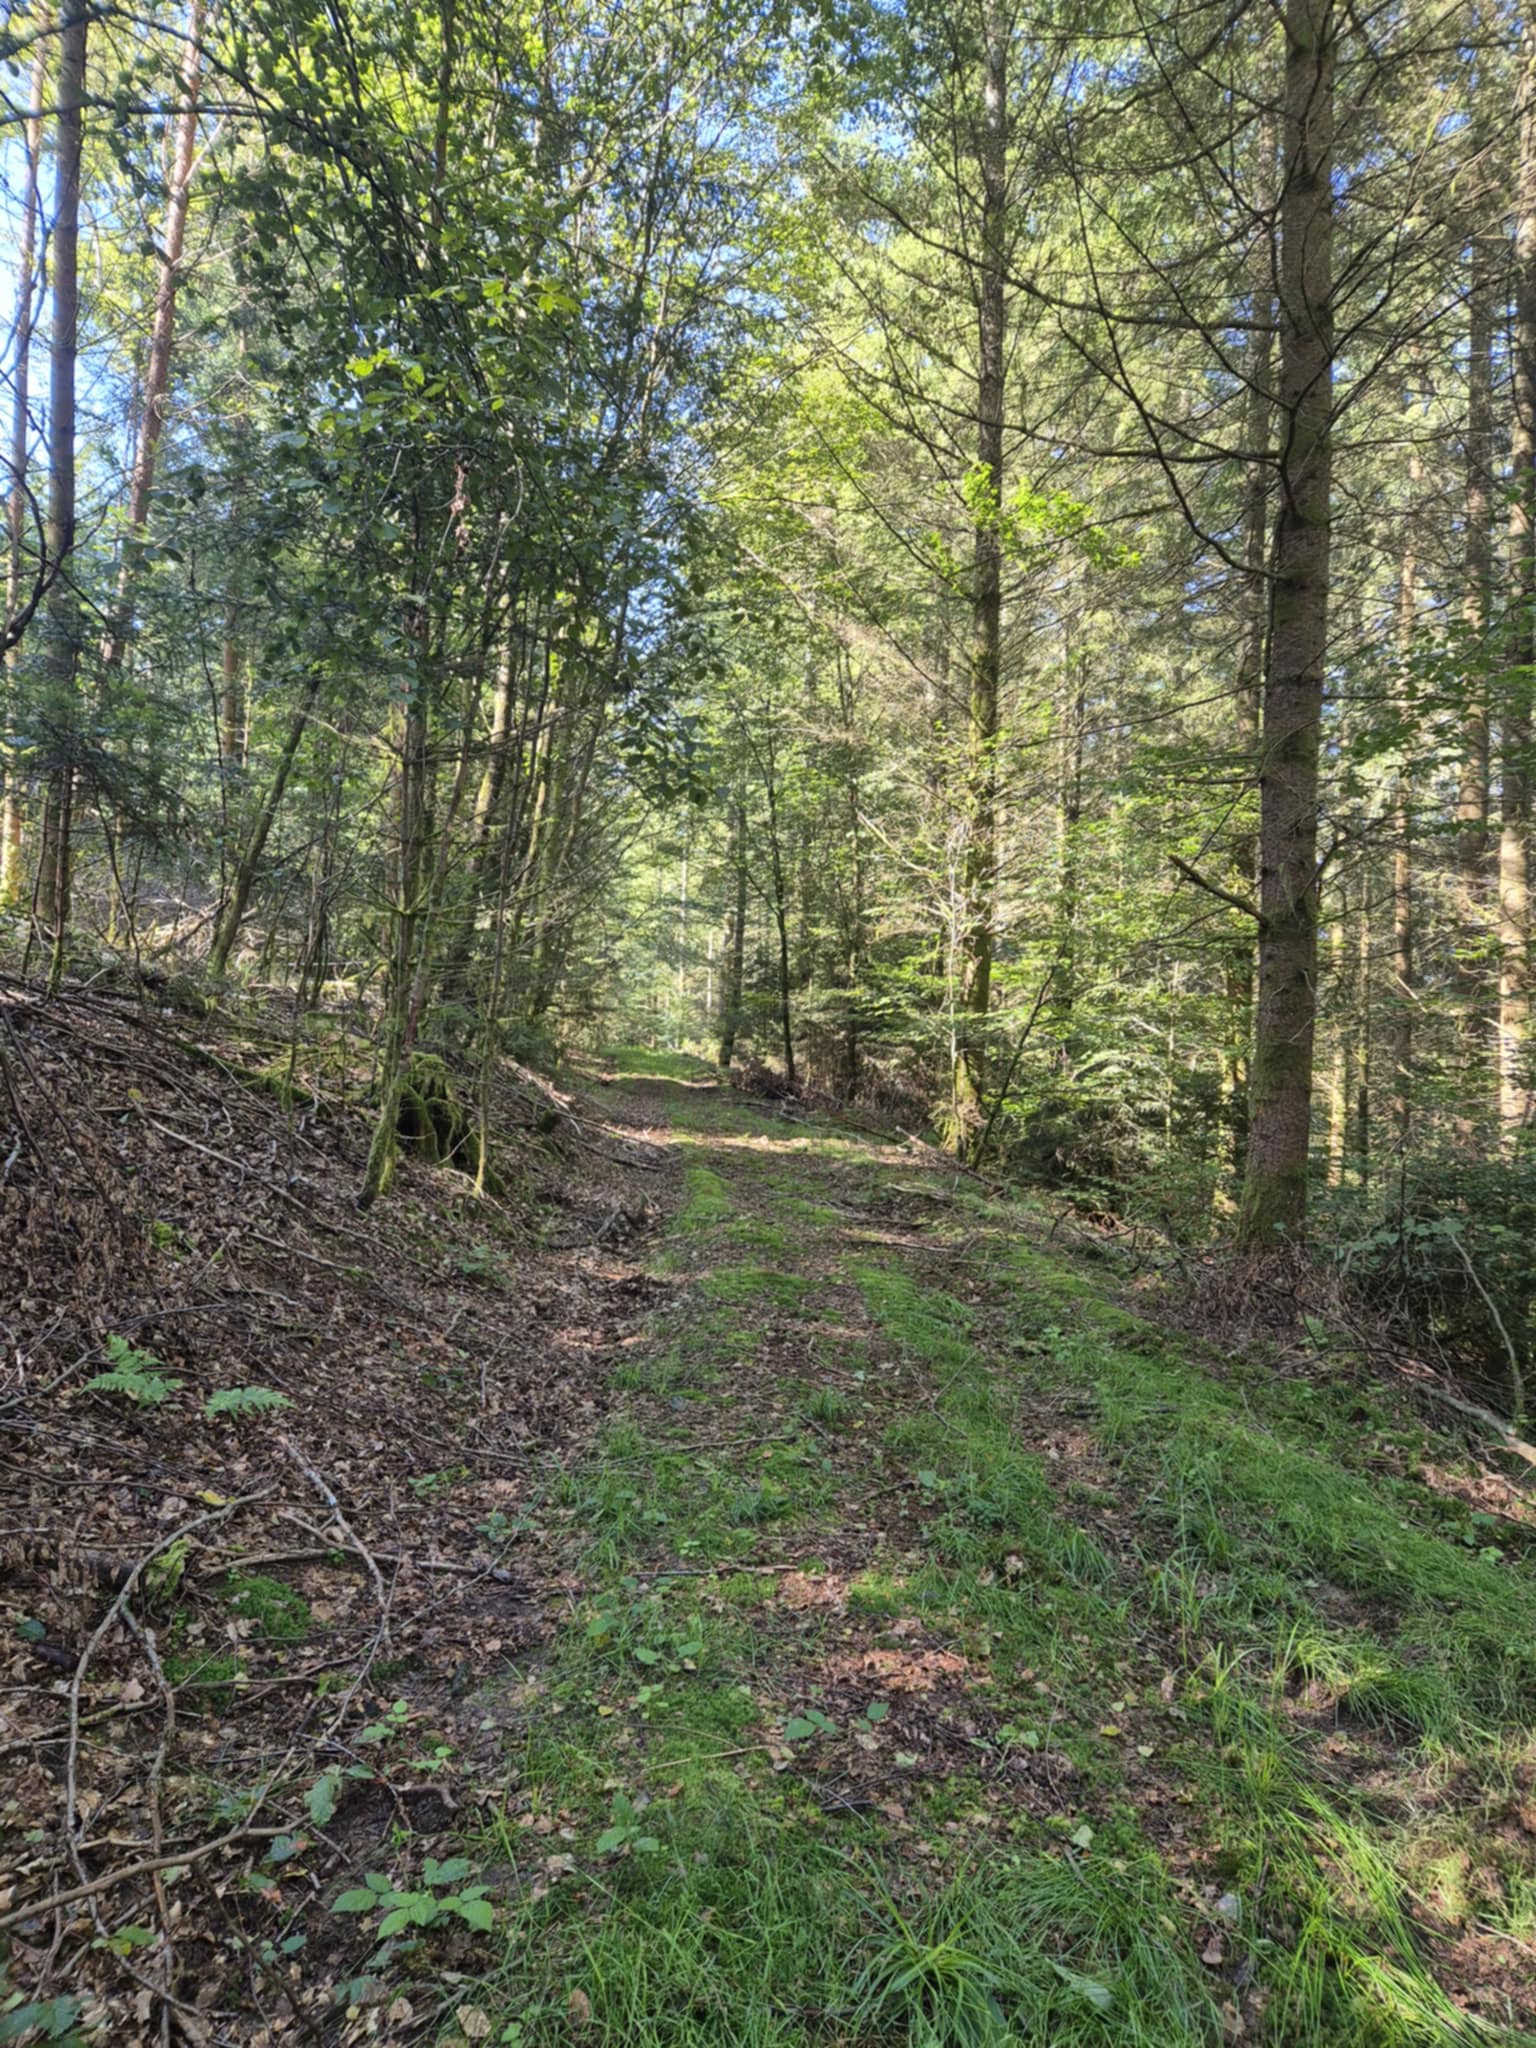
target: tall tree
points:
(1274, 1200)
(62, 650)
(17, 495)
(1515, 721)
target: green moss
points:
(277, 1613)
(757, 1286)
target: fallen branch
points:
(177, 1860)
(323, 1489)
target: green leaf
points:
(245, 1401)
(877, 1710)
(798, 1729)
(611, 1839)
(143, 1389)
(52, 2018)
(320, 1799)
(1098, 1995)
(476, 1913)
(356, 1901)
(452, 1870)
(415, 1910)
(126, 1939)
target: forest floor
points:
(799, 1600)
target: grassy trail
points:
(959, 1659)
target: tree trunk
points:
(979, 876)
(1515, 790)
(1472, 791)
(1274, 1203)
(231, 703)
(1403, 996)
(1069, 857)
(781, 920)
(1258, 422)
(16, 508)
(62, 649)
(1341, 1078)
(1365, 1043)
(157, 372)
(736, 954)
(228, 928)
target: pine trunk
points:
(1274, 1203)
(1472, 789)
(979, 879)
(16, 506)
(62, 631)
(1515, 789)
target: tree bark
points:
(1342, 1076)
(736, 952)
(1274, 1203)
(1258, 422)
(1069, 811)
(1515, 789)
(157, 371)
(979, 872)
(1472, 788)
(780, 908)
(1403, 993)
(228, 927)
(16, 503)
(61, 647)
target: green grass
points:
(640, 1062)
(707, 1202)
(1265, 1694)
(758, 1287)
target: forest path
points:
(959, 1660)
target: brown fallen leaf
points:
(579, 2006)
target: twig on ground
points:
(325, 1492)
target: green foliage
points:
(49, 2019)
(242, 1401)
(1451, 1256)
(443, 1897)
(133, 1374)
(626, 1830)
